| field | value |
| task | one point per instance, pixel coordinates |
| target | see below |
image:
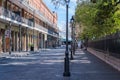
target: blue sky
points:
(61, 12)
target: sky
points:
(61, 12)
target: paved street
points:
(48, 65)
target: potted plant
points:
(31, 47)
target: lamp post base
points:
(65, 74)
(66, 67)
(71, 56)
(9, 53)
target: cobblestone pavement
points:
(49, 65)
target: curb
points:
(14, 54)
(18, 54)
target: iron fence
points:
(109, 44)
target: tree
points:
(106, 18)
(57, 3)
(85, 14)
(99, 19)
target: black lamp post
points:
(66, 59)
(72, 36)
(74, 39)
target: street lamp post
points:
(72, 36)
(74, 41)
(66, 59)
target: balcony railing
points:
(31, 7)
(11, 16)
(52, 33)
(41, 28)
(17, 19)
(44, 30)
(28, 22)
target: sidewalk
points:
(49, 65)
(86, 66)
(111, 60)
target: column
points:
(27, 39)
(4, 42)
(37, 40)
(42, 40)
(16, 41)
(23, 41)
(19, 38)
(0, 41)
(22, 37)
(13, 43)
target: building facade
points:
(27, 22)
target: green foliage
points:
(85, 14)
(104, 16)
(31, 45)
(99, 19)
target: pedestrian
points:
(79, 44)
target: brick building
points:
(27, 22)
